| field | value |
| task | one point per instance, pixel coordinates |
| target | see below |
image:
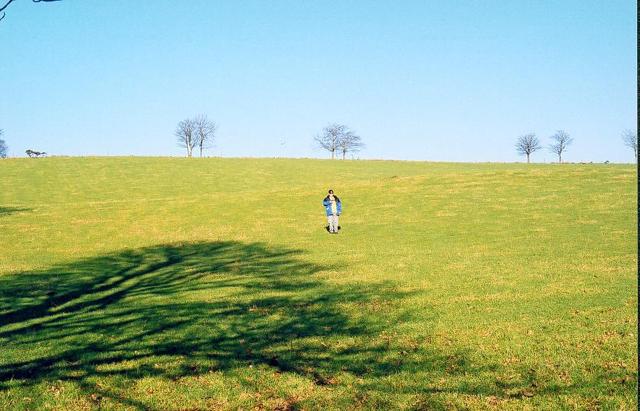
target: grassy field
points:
(166, 283)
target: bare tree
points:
(186, 135)
(205, 131)
(528, 144)
(3, 145)
(7, 2)
(630, 139)
(330, 137)
(349, 142)
(562, 141)
(338, 137)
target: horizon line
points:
(310, 158)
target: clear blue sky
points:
(424, 80)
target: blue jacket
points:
(327, 205)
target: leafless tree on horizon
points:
(338, 137)
(3, 145)
(204, 132)
(562, 141)
(349, 142)
(330, 137)
(528, 144)
(630, 139)
(7, 2)
(186, 135)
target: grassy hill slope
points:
(170, 283)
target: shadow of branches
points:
(10, 210)
(181, 310)
(178, 310)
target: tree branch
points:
(6, 5)
(2, 8)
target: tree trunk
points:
(333, 153)
(344, 153)
(527, 158)
(560, 158)
(200, 151)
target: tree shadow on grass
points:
(182, 310)
(5, 211)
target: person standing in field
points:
(333, 207)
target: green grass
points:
(165, 283)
